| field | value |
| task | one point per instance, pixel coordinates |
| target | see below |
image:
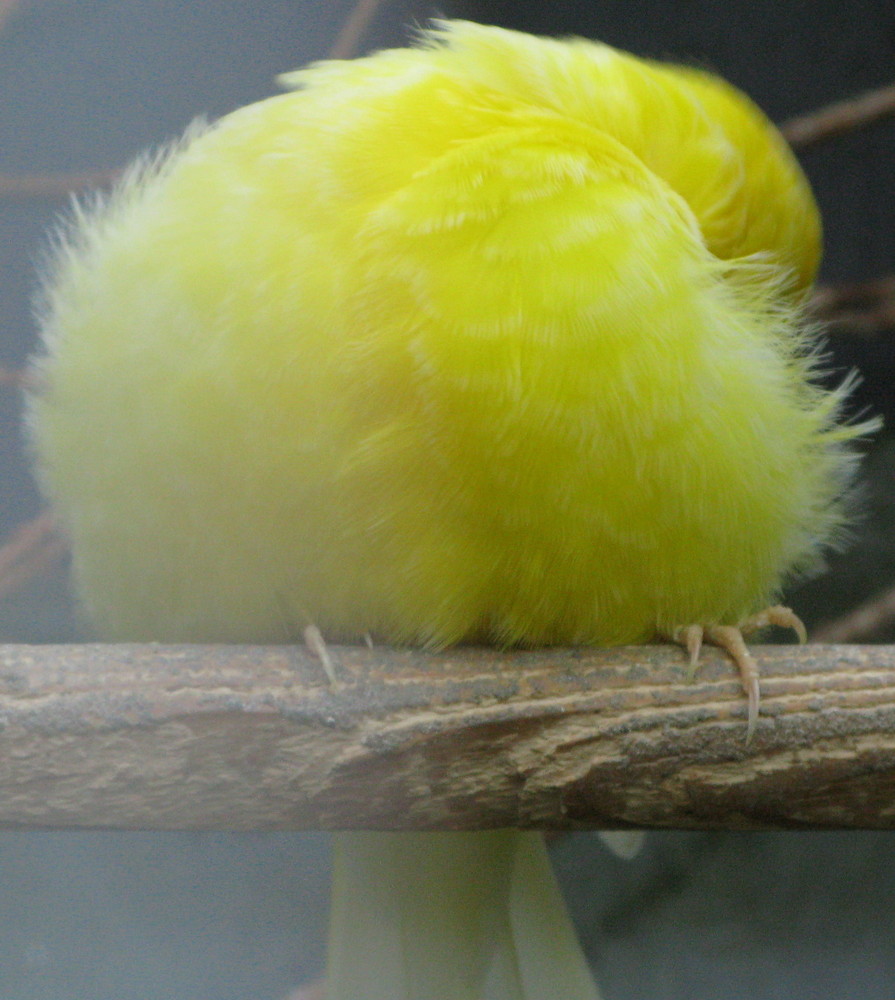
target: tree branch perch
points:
(190, 737)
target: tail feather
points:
(451, 916)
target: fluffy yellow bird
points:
(492, 339)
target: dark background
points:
(90, 916)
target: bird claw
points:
(730, 639)
(316, 645)
(690, 637)
(777, 615)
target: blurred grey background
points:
(148, 916)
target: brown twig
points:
(54, 185)
(348, 41)
(313, 991)
(7, 7)
(18, 378)
(861, 624)
(841, 117)
(864, 308)
(33, 548)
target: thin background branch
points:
(348, 41)
(54, 185)
(839, 118)
(33, 548)
(7, 8)
(863, 623)
(863, 308)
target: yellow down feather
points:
(496, 338)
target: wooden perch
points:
(255, 738)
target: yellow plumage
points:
(496, 338)
(454, 342)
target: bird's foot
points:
(730, 638)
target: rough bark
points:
(256, 738)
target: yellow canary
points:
(496, 339)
